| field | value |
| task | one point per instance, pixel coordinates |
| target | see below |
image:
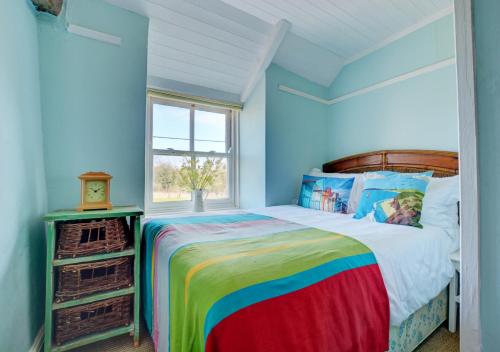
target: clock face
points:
(95, 191)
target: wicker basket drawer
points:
(91, 237)
(78, 280)
(82, 320)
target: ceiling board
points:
(314, 62)
(205, 43)
(221, 44)
(344, 27)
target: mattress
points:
(414, 262)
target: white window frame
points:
(232, 156)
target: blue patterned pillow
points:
(325, 193)
(395, 199)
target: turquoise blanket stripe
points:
(152, 229)
(257, 293)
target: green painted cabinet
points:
(133, 214)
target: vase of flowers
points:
(198, 201)
(197, 176)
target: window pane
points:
(170, 184)
(218, 188)
(166, 179)
(209, 131)
(170, 127)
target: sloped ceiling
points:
(347, 28)
(202, 42)
(220, 44)
(308, 60)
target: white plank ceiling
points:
(202, 42)
(220, 44)
(345, 27)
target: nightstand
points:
(454, 292)
(116, 300)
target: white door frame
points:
(470, 325)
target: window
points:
(182, 134)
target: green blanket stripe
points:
(154, 227)
(250, 261)
(198, 252)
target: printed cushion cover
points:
(357, 186)
(395, 199)
(325, 193)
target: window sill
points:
(170, 213)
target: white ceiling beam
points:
(278, 34)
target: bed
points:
(333, 283)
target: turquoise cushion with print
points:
(325, 193)
(395, 199)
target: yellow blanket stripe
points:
(212, 261)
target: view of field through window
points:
(172, 135)
(168, 184)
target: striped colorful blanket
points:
(248, 282)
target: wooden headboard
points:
(443, 163)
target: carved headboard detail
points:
(443, 163)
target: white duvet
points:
(414, 262)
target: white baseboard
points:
(38, 342)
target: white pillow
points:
(440, 204)
(357, 186)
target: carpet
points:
(440, 341)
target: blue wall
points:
(486, 34)
(296, 139)
(253, 149)
(94, 102)
(22, 179)
(419, 113)
(282, 136)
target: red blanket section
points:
(346, 312)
